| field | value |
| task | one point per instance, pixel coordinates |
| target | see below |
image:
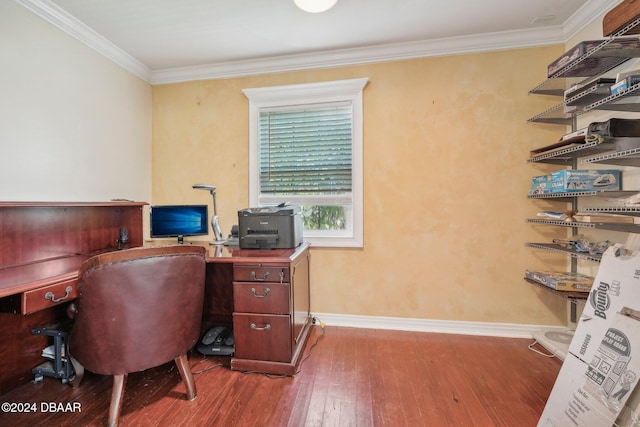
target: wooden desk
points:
(44, 244)
(265, 295)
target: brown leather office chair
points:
(138, 309)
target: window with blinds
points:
(305, 148)
(306, 152)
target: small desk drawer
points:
(270, 298)
(258, 273)
(48, 296)
(262, 337)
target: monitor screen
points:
(178, 221)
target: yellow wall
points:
(445, 178)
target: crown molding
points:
(590, 11)
(78, 30)
(366, 55)
(328, 59)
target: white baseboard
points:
(509, 330)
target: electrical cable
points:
(530, 346)
(204, 359)
(318, 338)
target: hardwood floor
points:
(352, 377)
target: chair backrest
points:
(138, 308)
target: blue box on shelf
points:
(541, 184)
(574, 180)
(618, 87)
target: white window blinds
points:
(305, 148)
(306, 151)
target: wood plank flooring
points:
(351, 377)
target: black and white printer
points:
(272, 227)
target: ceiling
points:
(168, 40)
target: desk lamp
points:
(217, 233)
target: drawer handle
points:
(49, 295)
(266, 292)
(253, 274)
(267, 327)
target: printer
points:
(273, 227)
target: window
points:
(305, 148)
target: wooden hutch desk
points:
(42, 247)
(263, 293)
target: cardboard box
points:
(624, 84)
(608, 56)
(571, 55)
(616, 285)
(604, 218)
(541, 184)
(593, 394)
(585, 180)
(573, 282)
(597, 383)
(630, 415)
(618, 87)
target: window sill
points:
(333, 242)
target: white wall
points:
(73, 125)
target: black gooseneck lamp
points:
(215, 225)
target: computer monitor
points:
(178, 221)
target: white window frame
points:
(269, 98)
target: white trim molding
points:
(585, 15)
(365, 55)
(507, 330)
(58, 17)
(50, 12)
(309, 94)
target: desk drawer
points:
(48, 296)
(259, 273)
(262, 337)
(270, 298)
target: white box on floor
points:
(616, 285)
(594, 394)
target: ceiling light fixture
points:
(315, 6)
